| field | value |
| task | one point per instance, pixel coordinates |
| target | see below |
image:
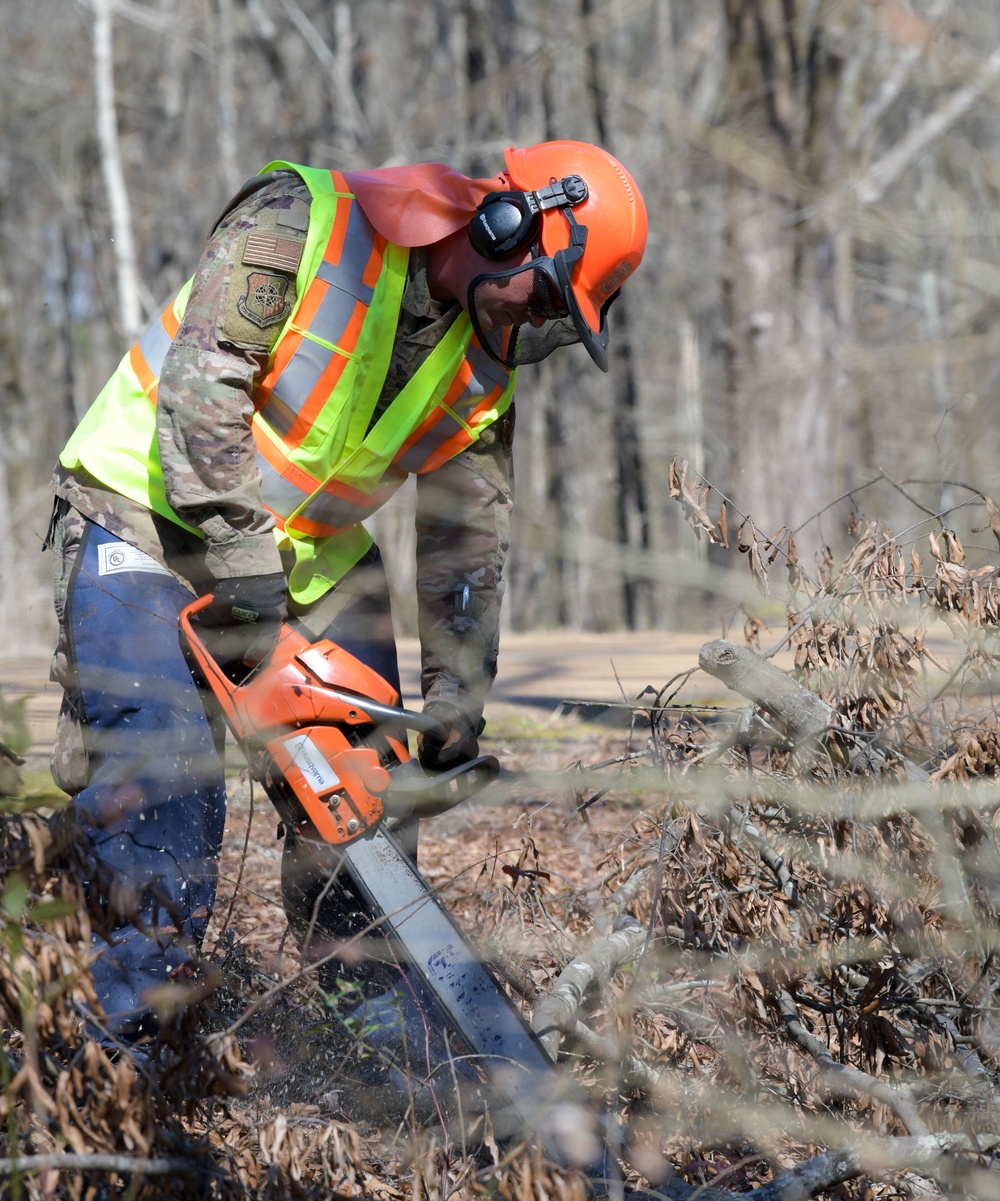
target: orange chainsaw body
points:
(294, 717)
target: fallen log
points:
(803, 716)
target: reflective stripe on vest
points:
(321, 507)
(317, 346)
(147, 355)
(478, 385)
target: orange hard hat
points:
(613, 215)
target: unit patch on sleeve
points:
(265, 301)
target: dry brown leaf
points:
(687, 487)
(994, 515)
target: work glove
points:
(458, 743)
(245, 618)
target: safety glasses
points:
(521, 315)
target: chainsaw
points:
(326, 736)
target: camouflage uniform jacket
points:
(208, 456)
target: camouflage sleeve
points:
(463, 531)
(241, 296)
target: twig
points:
(770, 855)
(661, 855)
(625, 894)
(512, 972)
(843, 1076)
(584, 805)
(239, 879)
(10, 756)
(101, 1162)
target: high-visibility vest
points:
(323, 470)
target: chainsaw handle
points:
(220, 684)
(389, 715)
(193, 609)
(223, 686)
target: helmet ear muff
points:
(503, 224)
(507, 222)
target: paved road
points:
(539, 672)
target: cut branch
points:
(811, 723)
(930, 1153)
(556, 1012)
(842, 1077)
(123, 1165)
(801, 713)
(805, 718)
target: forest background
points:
(814, 327)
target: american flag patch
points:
(265, 249)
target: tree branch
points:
(556, 1012)
(929, 1153)
(892, 85)
(880, 176)
(124, 1165)
(844, 1077)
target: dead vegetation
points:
(763, 935)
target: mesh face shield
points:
(520, 315)
(523, 314)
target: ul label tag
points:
(120, 556)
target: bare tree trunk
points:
(73, 405)
(129, 307)
(783, 318)
(225, 88)
(458, 46)
(633, 517)
(9, 404)
(692, 415)
(530, 568)
(171, 80)
(930, 299)
(632, 505)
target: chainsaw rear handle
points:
(221, 686)
(290, 643)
